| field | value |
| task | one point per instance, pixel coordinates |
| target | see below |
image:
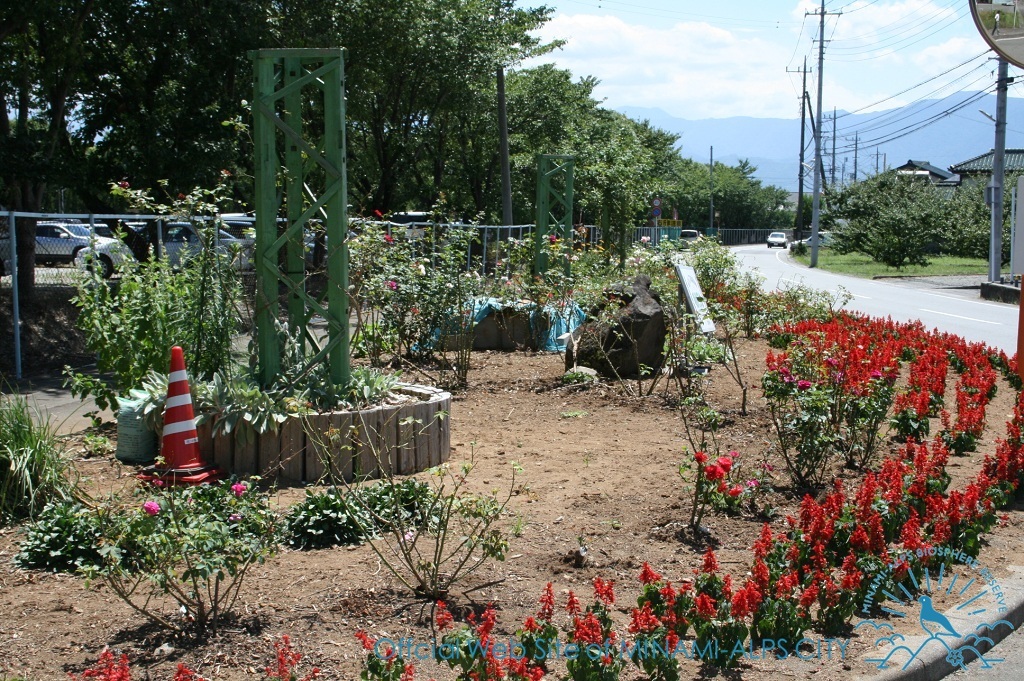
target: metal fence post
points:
(15, 309)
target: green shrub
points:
(33, 469)
(63, 538)
(335, 516)
(155, 306)
(192, 544)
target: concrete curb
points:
(931, 664)
(1003, 293)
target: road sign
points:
(656, 212)
(656, 203)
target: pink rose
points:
(151, 508)
(239, 488)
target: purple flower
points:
(393, 285)
(234, 518)
(803, 384)
(552, 238)
(151, 507)
(239, 488)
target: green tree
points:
(42, 49)
(892, 218)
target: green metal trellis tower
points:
(290, 84)
(554, 207)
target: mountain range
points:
(887, 138)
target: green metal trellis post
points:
(314, 180)
(554, 207)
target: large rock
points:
(635, 339)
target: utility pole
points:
(810, 111)
(833, 146)
(800, 175)
(994, 193)
(506, 175)
(877, 156)
(856, 142)
(711, 210)
(816, 206)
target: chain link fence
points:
(67, 246)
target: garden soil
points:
(599, 493)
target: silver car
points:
(177, 240)
(777, 239)
(57, 243)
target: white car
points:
(824, 239)
(58, 242)
(178, 239)
(777, 239)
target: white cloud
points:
(708, 68)
(690, 69)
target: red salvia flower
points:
(710, 565)
(547, 604)
(648, 575)
(604, 591)
(443, 618)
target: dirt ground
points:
(600, 471)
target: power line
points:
(911, 129)
(899, 25)
(896, 46)
(914, 87)
(850, 9)
(885, 119)
(631, 8)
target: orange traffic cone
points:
(182, 462)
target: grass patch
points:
(860, 265)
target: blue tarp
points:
(559, 321)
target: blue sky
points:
(719, 59)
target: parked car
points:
(689, 235)
(176, 241)
(58, 242)
(777, 239)
(825, 239)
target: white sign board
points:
(693, 297)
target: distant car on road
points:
(777, 239)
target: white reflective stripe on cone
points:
(176, 376)
(179, 427)
(178, 401)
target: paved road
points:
(960, 311)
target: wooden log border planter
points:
(398, 439)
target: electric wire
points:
(914, 87)
(885, 49)
(899, 26)
(631, 8)
(844, 9)
(911, 129)
(888, 118)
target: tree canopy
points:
(102, 91)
